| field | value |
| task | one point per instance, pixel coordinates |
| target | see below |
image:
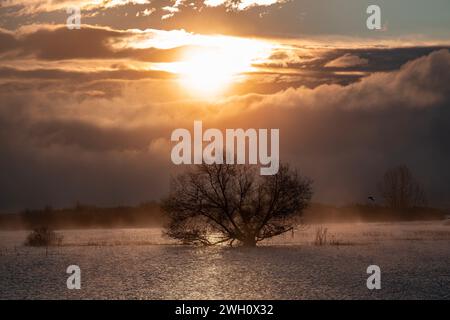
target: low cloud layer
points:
(347, 60)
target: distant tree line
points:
(85, 216)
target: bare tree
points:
(400, 190)
(221, 203)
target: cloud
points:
(21, 8)
(262, 18)
(145, 13)
(172, 9)
(345, 136)
(346, 61)
(31, 7)
(61, 74)
(90, 42)
(241, 4)
(110, 149)
(7, 40)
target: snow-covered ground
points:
(414, 258)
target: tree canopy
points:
(220, 203)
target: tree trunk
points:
(249, 242)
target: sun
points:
(210, 66)
(208, 72)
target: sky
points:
(86, 114)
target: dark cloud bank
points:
(56, 149)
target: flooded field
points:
(141, 264)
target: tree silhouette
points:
(220, 203)
(400, 190)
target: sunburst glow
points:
(207, 73)
(214, 63)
